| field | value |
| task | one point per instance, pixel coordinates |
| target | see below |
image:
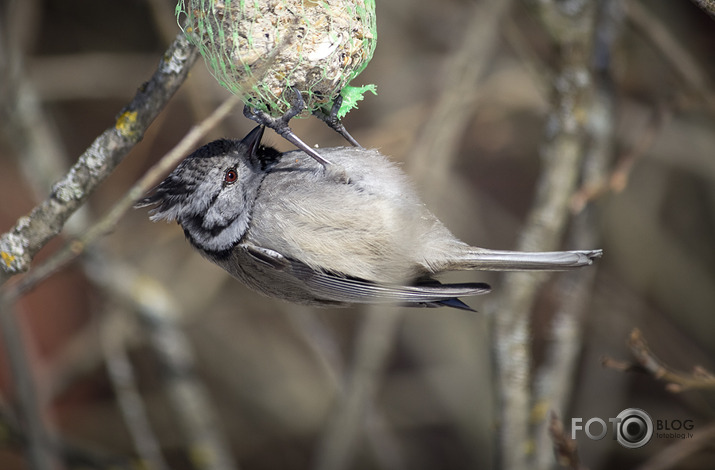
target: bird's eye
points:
(231, 176)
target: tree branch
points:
(30, 233)
(126, 390)
(189, 398)
(647, 362)
(707, 5)
(107, 223)
(571, 25)
(39, 449)
(342, 433)
(565, 449)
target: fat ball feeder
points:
(286, 58)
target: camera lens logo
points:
(634, 428)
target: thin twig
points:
(565, 449)
(618, 180)
(39, 451)
(13, 436)
(320, 340)
(18, 105)
(340, 437)
(674, 455)
(647, 362)
(121, 374)
(190, 401)
(669, 46)
(621, 173)
(435, 147)
(19, 246)
(109, 221)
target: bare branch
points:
(618, 180)
(74, 457)
(707, 5)
(673, 455)
(341, 435)
(669, 46)
(450, 116)
(565, 448)
(571, 24)
(123, 379)
(190, 401)
(39, 449)
(555, 380)
(104, 225)
(30, 233)
(647, 362)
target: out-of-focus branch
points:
(564, 448)
(669, 46)
(555, 379)
(157, 312)
(648, 363)
(435, 147)
(571, 25)
(373, 424)
(341, 435)
(80, 355)
(191, 405)
(618, 180)
(39, 450)
(165, 20)
(145, 183)
(707, 5)
(121, 374)
(674, 455)
(14, 436)
(32, 232)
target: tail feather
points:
(497, 260)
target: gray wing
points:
(325, 287)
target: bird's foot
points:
(280, 125)
(331, 119)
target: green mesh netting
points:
(257, 49)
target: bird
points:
(279, 224)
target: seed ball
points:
(261, 49)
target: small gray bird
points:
(278, 223)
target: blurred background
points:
(141, 322)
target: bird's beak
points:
(253, 140)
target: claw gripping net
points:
(262, 49)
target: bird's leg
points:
(280, 125)
(332, 120)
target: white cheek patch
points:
(226, 238)
(222, 211)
